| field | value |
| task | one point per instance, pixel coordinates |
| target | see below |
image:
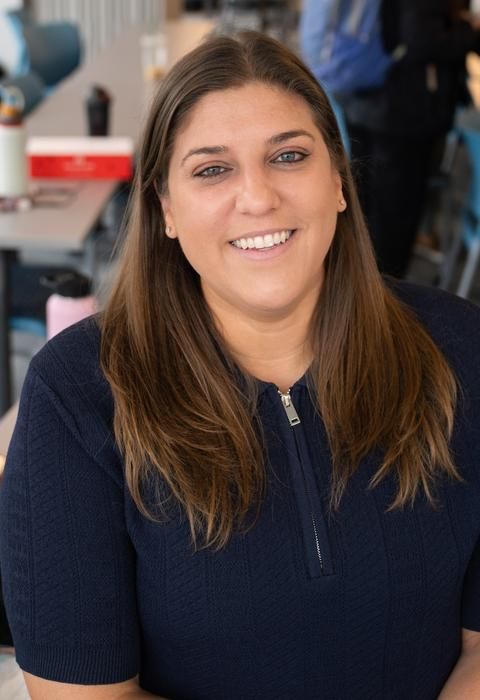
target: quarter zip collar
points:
(270, 386)
(292, 418)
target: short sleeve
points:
(471, 593)
(67, 563)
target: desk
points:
(118, 68)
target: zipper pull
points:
(292, 415)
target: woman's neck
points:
(283, 371)
(272, 349)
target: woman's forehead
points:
(254, 110)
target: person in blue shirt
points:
(397, 128)
(253, 475)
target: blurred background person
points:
(397, 127)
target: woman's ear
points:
(170, 230)
(341, 203)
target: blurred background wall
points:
(102, 21)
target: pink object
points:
(65, 311)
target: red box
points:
(82, 158)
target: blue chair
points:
(28, 325)
(28, 296)
(51, 50)
(467, 235)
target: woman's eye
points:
(290, 157)
(211, 171)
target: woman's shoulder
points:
(436, 307)
(452, 322)
(67, 371)
(72, 355)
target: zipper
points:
(294, 420)
(317, 543)
(292, 414)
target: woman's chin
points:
(262, 301)
(269, 306)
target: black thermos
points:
(98, 111)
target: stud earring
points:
(168, 230)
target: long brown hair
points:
(182, 411)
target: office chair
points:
(51, 50)
(467, 235)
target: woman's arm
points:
(40, 689)
(464, 681)
(68, 564)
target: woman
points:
(251, 476)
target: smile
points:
(270, 240)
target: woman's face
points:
(253, 199)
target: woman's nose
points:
(256, 194)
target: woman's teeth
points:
(268, 241)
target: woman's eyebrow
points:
(273, 140)
(285, 135)
(204, 150)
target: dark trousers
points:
(391, 173)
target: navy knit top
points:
(364, 604)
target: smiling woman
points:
(254, 474)
(268, 193)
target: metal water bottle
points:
(71, 300)
(13, 160)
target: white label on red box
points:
(104, 158)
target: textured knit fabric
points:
(364, 604)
